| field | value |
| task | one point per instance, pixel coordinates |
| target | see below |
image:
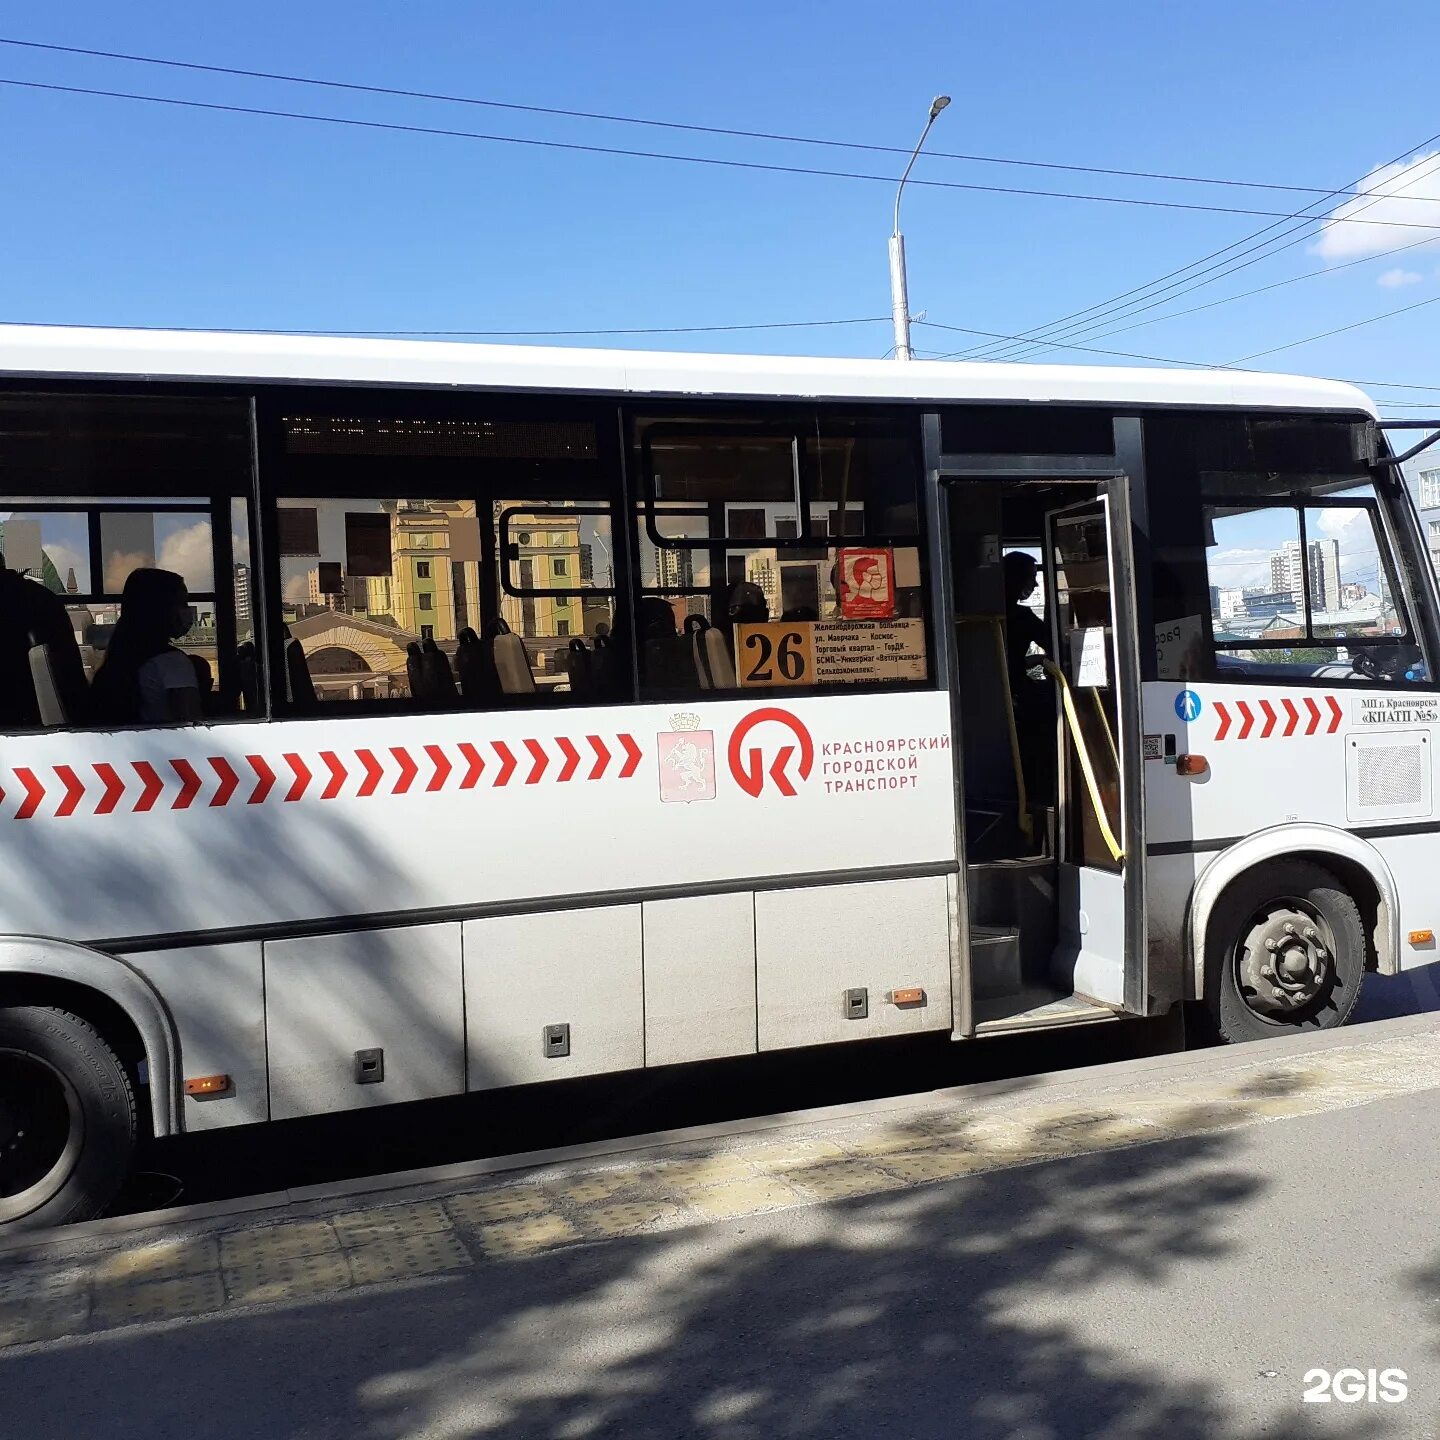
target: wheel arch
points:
(1352, 859)
(30, 964)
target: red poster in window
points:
(867, 583)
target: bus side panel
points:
(182, 831)
(699, 978)
(216, 997)
(1414, 861)
(814, 947)
(330, 997)
(525, 974)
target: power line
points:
(1339, 330)
(462, 334)
(1115, 302)
(1227, 268)
(575, 146)
(728, 132)
(1261, 289)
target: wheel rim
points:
(1285, 962)
(42, 1128)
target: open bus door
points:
(1051, 805)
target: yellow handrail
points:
(1022, 799)
(1086, 768)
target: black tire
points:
(67, 1119)
(1262, 900)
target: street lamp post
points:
(899, 297)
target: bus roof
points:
(186, 355)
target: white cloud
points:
(1419, 177)
(1394, 279)
(187, 552)
(1237, 567)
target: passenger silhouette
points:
(144, 679)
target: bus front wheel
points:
(1286, 952)
(67, 1118)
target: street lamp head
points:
(938, 104)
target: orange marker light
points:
(207, 1084)
(910, 995)
(1422, 937)
(1191, 764)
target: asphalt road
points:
(230, 1164)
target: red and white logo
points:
(749, 766)
(867, 583)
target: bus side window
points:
(73, 528)
(784, 553)
(1307, 592)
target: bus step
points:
(994, 961)
(1010, 892)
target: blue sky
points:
(122, 213)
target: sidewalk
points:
(1129, 1244)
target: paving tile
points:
(785, 1154)
(890, 1142)
(277, 1242)
(712, 1170)
(941, 1164)
(634, 1217)
(600, 1185)
(388, 1222)
(839, 1179)
(49, 1317)
(28, 1282)
(159, 1299)
(507, 1204)
(164, 1260)
(404, 1256)
(287, 1277)
(527, 1236)
(743, 1197)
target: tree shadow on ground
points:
(1037, 1302)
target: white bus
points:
(542, 713)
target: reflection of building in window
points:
(550, 559)
(1323, 557)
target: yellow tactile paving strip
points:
(250, 1260)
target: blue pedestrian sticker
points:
(1188, 706)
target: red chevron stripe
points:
(225, 772)
(632, 750)
(539, 758)
(34, 793)
(189, 784)
(264, 779)
(602, 757)
(443, 767)
(1292, 717)
(1247, 720)
(152, 786)
(1269, 710)
(1224, 715)
(373, 771)
(302, 774)
(1314, 710)
(476, 763)
(572, 759)
(507, 762)
(408, 769)
(114, 788)
(1337, 712)
(74, 789)
(338, 774)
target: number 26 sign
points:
(775, 653)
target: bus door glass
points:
(1092, 712)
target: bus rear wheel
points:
(67, 1119)
(1287, 952)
